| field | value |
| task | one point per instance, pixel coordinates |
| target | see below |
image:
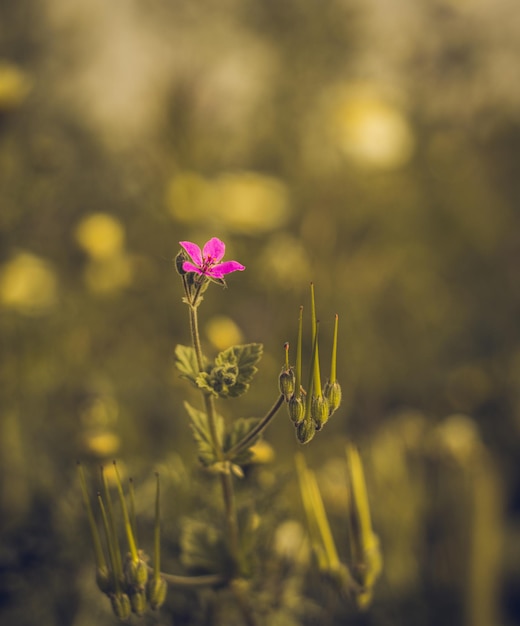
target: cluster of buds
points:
(129, 582)
(310, 409)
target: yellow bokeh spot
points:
(371, 131)
(28, 285)
(14, 86)
(104, 444)
(241, 202)
(100, 235)
(223, 332)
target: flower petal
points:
(214, 248)
(194, 251)
(189, 267)
(222, 269)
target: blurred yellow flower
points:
(241, 202)
(371, 131)
(14, 86)
(28, 285)
(223, 332)
(100, 235)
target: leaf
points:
(202, 434)
(244, 357)
(202, 547)
(186, 362)
(241, 428)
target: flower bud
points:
(296, 408)
(156, 590)
(319, 411)
(286, 382)
(121, 606)
(305, 430)
(332, 392)
(136, 573)
(179, 262)
(138, 602)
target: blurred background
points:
(370, 147)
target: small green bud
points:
(136, 572)
(332, 392)
(121, 605)
(138, 602)
(156, 590)
(305, 431)
(296, 408)
(286, 382)
(104, 580)
(179, 261)
(319, 411)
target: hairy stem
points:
(225, 477)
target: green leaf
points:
(186, 362)
(202, 547)
(202, 434)
(241, 428)
(244, 357)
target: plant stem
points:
(225, 477)
(254, 432)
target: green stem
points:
(225, 477)
(254, 432)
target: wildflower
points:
(207, 262)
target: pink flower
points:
(207, 262)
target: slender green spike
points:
(157, 531)
(310, 389)
(299, 353)
(128, 527)
(316, 362)
(312, 525)
(113, 551)
(286, 348)
(96, 539)
(323, 523)
(131, 494)
(313, 313)
(111, 523)
(334, 351)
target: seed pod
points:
(286, 382)
(332, 392)
(136, 573)
(104, 580)
(305, 430)
(156, 590)
(319, 411)
(121, 605)
(138, 602)
(296, 408)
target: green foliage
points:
(186, 363)
(241, 428)
(201, 432)
(233, 371)
(202, 547)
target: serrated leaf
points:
(241, 428)
(245, 357)
(203, 382)
(186, 362)
(202, 434)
